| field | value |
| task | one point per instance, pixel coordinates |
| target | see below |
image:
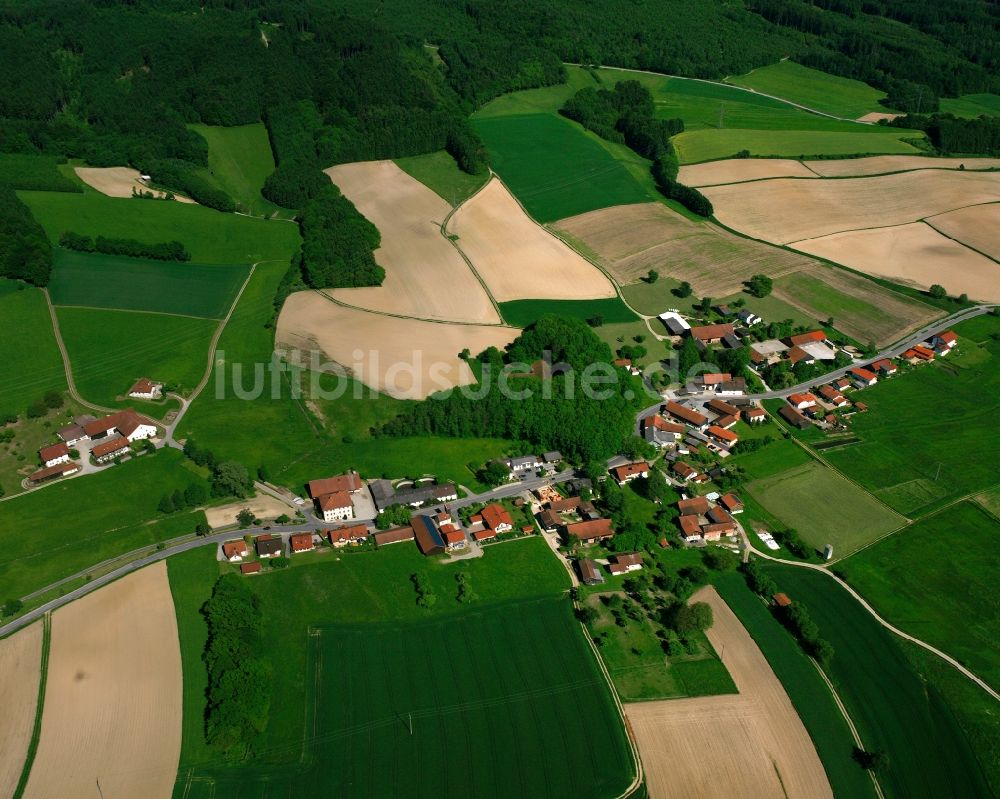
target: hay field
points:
(750, 744)
(629, 240)
(262, 506)
(20, 668)
(913, 254)
(404, 358)
(786, 210)
(877, 116)
(117, 181)
(740, 170)
(425, 275)
(978, 227)
(883, 164)
(113, 694)
(517, 258)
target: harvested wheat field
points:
(978, 227)
(740, 170)
(425, 275)
(113, 693)
(915, 255)
(517, 258)
(404, 358)
(20, 671)
(861, 308)
(629, 240)
(784, 210)
(262, 506)
(117, 181)
(877, 116)
(885, 164)
(748, 745)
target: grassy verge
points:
(36, 730)
(439, 172)
(521, 313)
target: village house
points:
(336, 506)
(945, 342)
(794, 417)
(726, 438)
(714, 532)
(754, 415)
(53, 472)
(386, 496)
(395, 536)
(801, 401)
(109, 450)
(748, 317)
(919, 353)
(630, 471)
(250, 568)
(522, 464)
(797, 355)
(453, 537)
(146, 389)
(565, 505)
(722, 408)
(719, 515)
(496, 518)
(767, 352)
(590, 531)
(884, 367)
(342, 536)
(660, 433)
(685, 414)
(727, 422)
(696, 506)
(842, 384)
(676, 324)
(72, 434)
(427, 535)
(732, 388)
(625, 562)
(834, 397)
(552, 458)
(684, 471)
(862, 377)
(549, 520)
(235, 551)
(125, 423)
(301, 542)
(812, 337)
(732, 341)
(332, 496)
(712, 381)
(268, 546)
(690, 529)
(711, 334)
(731, 503)
(53, 454)
(590, 572)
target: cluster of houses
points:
(729, 334)
(522, 466)
(940, 344)
(703, 520)
(110, 437)
(682, 429)
(807, 348)
(619, 564)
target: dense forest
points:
(953, 136)
(338, 243)
(25, 252)
(583, 428)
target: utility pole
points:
(722, 115)
(409, 719)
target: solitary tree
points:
(937, 291)
(652, 276)
(760, 285)
(684, 290)
(245, 517)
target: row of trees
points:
(951, 134)
(25, 252)
(163, 251)
(229, 478)
(239, 676)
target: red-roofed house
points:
(52, 472)
(713, 380)
(798, 355)
(684, 471)
(842, 384)
(624, 563)
(812, 337)
(336, 506)
(685, 414)
(109, 450)
(496, 518)
(801, 401)
(754, 415)
(884, 367)
(944, 342)
(590, 531)
(731, 503)
(690, 528)
(353, 535)
(630, 471)
(696, 506)
(485, 534)
(919, 353)
(250, 568)
(235, 551)
(453, 537)
(145, 388)
(53, 454)
(725, 437)
(834, 397)
(711, 334)
(863, 377)
(301, 542)
(125, 422)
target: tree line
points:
(25, 251)
(952, 135)
(162, 251)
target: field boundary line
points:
(926, 221)
(36, 730)
(67, 364)
(335, 301)
(850, 722)
(138, 310)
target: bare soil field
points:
(740, 170)
(20, 670)
(629, 240)
(913, 254)
(786, 210)
(117, 181)
(884, 164)
(978, 227)
(517, 258)
(877, 116)
(262, 506)
(425, 275)
(113, 694)
(404, 358)
(749, 745)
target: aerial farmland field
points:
(32, 364)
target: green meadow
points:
(439, 172)
(894, 708)
(708, 145)
(31, 361)
(239, 161)
(210, 236)
(34, 173)
(94, 280)
(971, 105)
(110, 350)
(937, 580)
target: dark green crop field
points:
(109, 281)
(34, 173)
(893, 708)
(28, 351)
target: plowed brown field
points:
(979, 227)
(117, 181)
(739, 170)
(20, 670)
(883, 164)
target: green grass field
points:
(937, 580)
(210, 236)
(554, 168)
(708, 145)
(34, 173)
(521, 313)
(31, 361)
(110, 350)
(108, 281)
(464, 675)
(805, 688)
(814, 89)
(439, 172)
(239, 161)
(971, 105)
(929, 437)
(51, 533)
(825, 508)
(893, 708)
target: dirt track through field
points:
(629, 240)
(881, 164)
(785, 210)
(113, 696)
(517, 258)
(913, 254)
(425, 275)
(749, 745)
(978, 227)
(738, 170)
(404, 358)
(117, 181)
(20, 670)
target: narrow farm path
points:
(67, 366)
